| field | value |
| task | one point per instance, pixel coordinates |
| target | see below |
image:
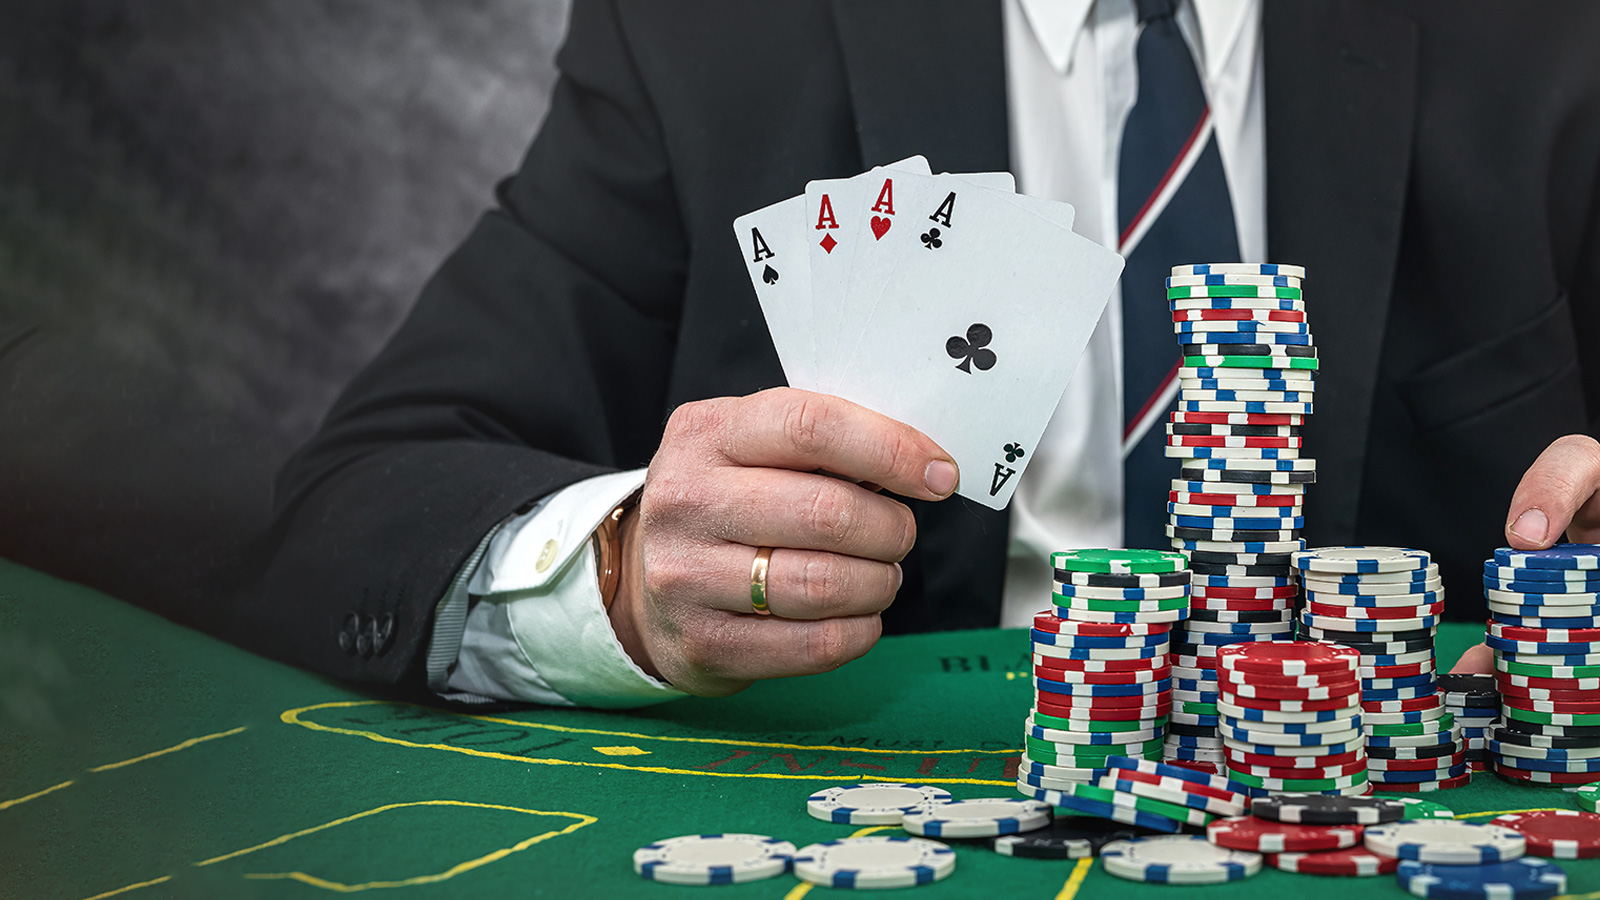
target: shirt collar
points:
(1058, 24)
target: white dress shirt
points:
(524, 621)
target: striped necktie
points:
(1173, 208)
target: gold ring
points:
(758, 580)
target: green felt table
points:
(141, 759)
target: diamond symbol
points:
(828, 243)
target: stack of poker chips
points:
(1245, 388)
(1291, 717)
(1475, 702)
(1544, 628)
(1102, 679)
(1385, 603)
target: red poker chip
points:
(1221, 418)
(1410, 704)
(1238, 440)
(1297, 773)
(1541, 694)
(1587, 706)
(1138, 664)
(1263, 836)
(1267, 703)
(1501, 768)
(1259, 501)
(1419, 787)
(1050, 622)
(1238, 593)
(1284, 762)
(1544, 635)
(1404, 670)
(1188, 787)
(1311, 679)
(1101, 713)
(1557, 833)
(1288, 657)
(1269, 692)
(1090, 701)
(1196, 765)
(1423, 764)
(1273, 604)
(1503, 681)
(1239, 315)
(1054, 673)
(1349, 861)
(1374, 612)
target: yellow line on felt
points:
(131, 887)
(1075, 880)
(1505, 812)
(7, 804)
(800, 890)
(1592, 895)
(173, 749)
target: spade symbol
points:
(972, 350)
(769, 275)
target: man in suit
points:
(1432, 165)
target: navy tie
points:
(1173, 208)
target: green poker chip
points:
(1132, 606)
(1126, 562)
(1434, 726)
(1589, 797)
(1198, 709)
(1417, 808)
(1546, 718)
(1517, 668)
(1144, 804)
(1093, 754)
(1110, 725)
(1297, 784)
(1233, 290)
(1252, 362)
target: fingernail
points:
(1531, 526)
(940, 477)
(899, 577)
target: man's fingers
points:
(801, 510)
(790, 429)
(801, 584)
(1559, 484)
(750, 648)
(1478, 660)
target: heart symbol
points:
(880, 226)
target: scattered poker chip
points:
(1518, 879)
(1177, 859)
(1556, 833)
(714, 859)
(1451, 843)
(873, 803)
(1418, 808)
(1066, 837)
(1468, 690)
(1266, 836)
(985, 817)
(1355, 861)
(874, 861)
(1319, 809)
(1119, 561)
(1082, 801)
(1588, 796)
(1448, 784)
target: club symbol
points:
(972, 350)
(770, 275)
(1014, 452)
(931, 239)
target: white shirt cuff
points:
(538, 631)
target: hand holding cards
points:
(943, 301)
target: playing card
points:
(834, 235)
(773, 241)
(978, 330)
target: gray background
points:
(210, 215)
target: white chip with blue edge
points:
(1447, 842)
(1178, 859)
(982, 817)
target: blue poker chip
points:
(1518, 752)
(1552, 764)
(1252, 714)
(1411, 740)
(1103, 810)
(1150, 642)
(1561, 556)
(1541, 648)
(1574, 600)
(1237, 523)
(1252, 407)
(1223, 639)
(1254, 581)
(1519, 879)
(1367, 601)
(1529, 586)
(1084, 653)
(1274, 465)
(1273, 626)
(1311, 620)
(1186, 325)
(1240, 736)
(1536, 621)
(1355, 579)
(1421, 777)
(1284, 339)
(1104, 690)
(1542, 576)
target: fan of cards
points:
(948, 302)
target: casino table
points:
(141, 759)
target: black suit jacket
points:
(1432, 164)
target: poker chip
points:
(1560, 556)
(1239, 269)
(1276, 279)
(874, 861)
(1066, 837)
(1235, 297)
(1361, 560)
(1318, 809)
(1266, 836)
(1418, 808)
(1518, 879)
(1177, 859)
(1556, 833)
(1290, 658)
(1118, 561)
(985, 817)
(873, 803)
(714, 859)
(1588, 796)
(1354, 861)
(1096, 801)
(1469, 690)
(1452, 843)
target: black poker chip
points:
(1469, 690)
(1235, 615)
(1430, 751)
(1122, 580)
(1317, 809)
(1547, 741)
(1200, 567)
(1589, 732)
(1308, 351)
(1280, 562)
(1248, 476)
(1067, 837)
(1191, 730)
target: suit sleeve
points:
(536, 357)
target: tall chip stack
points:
(1102, 678)
(1385, 603)
(1291, 717)
(1245, 386)
(1544, 629)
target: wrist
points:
(626, 607)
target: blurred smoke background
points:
(211, 214)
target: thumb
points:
(1553, 489)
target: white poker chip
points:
(983, 817)
(1361, 559)
(1445, 841)
(875, 861)
(1239, 268)
(1178, 859)
(873, 803)
(714, 858)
